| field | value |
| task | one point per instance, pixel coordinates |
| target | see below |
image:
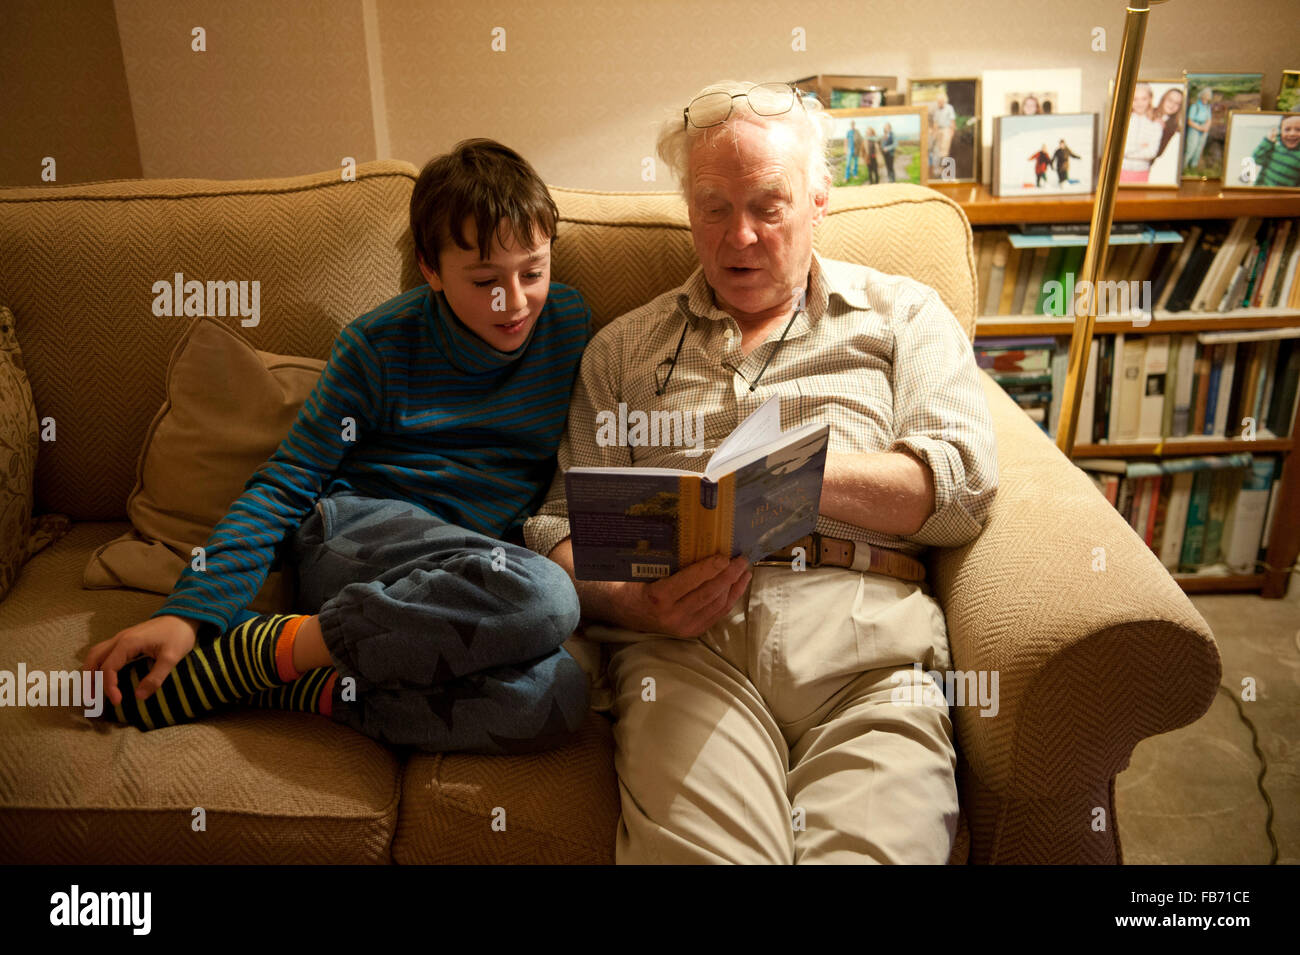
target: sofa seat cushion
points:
(274, 787)
(560, 806)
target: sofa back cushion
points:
(80, 263)
(621, 249)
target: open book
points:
(759, 494)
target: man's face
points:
(1291, 132)
(752, 216)
(502, 318)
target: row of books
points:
(1198, 514)
(1141, 388)
(1217, 266)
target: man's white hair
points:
(676, 141)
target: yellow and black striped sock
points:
(313, 692)
(254, 656)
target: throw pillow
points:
(19, 439)
(228, 407)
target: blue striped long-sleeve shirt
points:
(414, 406)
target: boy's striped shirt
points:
(1279, 166)
(413, 406)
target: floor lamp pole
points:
(1103, 209)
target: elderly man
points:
(773, 713)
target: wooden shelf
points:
(1162, 322)
(1220, 583)
(1194, 200)
(1182, 447)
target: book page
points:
(760, 428)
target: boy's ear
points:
(430, 276)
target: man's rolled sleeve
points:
(941, 416)
(597, 389)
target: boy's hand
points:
(692, 600)
(1271, 135)
(166, 639)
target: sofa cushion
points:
(275, 787)
(559, 806)
(621, 249)
(227, 409)
(19, 439)
(87, 257)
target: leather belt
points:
(820, 551)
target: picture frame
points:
(870, 97)
(825, 84)
(1250, 153)
(1204, 135)
(1045, 155)
(954, 156)
(1153, 143)
(1061, 88)
(1288, 93)
(907, 124)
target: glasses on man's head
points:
(765, 99)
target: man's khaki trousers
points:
(789, 732)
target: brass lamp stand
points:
(1085, 303)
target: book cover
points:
(759, 493)
(1155, 367)
(1180, 493)
(1198, 506)
(1245, 527)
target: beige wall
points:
(282, 88)
(64, 94)
(285, 86)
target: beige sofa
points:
(1090, 662)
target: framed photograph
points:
(870, 146)
(1288, 94)
(1153, 144)
(952, 108)
(1262, 150)
(831, 87)
(1046, 154)
(1025, 93)
(1210, 97)
(870, 98)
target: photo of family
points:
(1210, 97)
(1262, 150)
(952, 111)
(870, 146)
(1153, 143)
(1044, 155)
(858, 99)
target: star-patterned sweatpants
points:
(453, 638)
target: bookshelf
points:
(1192, 201)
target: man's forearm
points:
(890, 491)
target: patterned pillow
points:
(19, 439)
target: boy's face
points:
(1291, 132)
(498, 299)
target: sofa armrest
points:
(1090, 660)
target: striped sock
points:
(313, 692)
(254, 656)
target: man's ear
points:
(430, 276)
(821, 199)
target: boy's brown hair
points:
(479, 179)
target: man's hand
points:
(683, 605)
(166, 639)
(692, 600)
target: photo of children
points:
(1153, 142)
(1029, 104)
(870, 146)
(1032, 155)
(952, 111)
(1210, 97)
(1262, 150)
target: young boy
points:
(1279, 162)
(401, 491)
